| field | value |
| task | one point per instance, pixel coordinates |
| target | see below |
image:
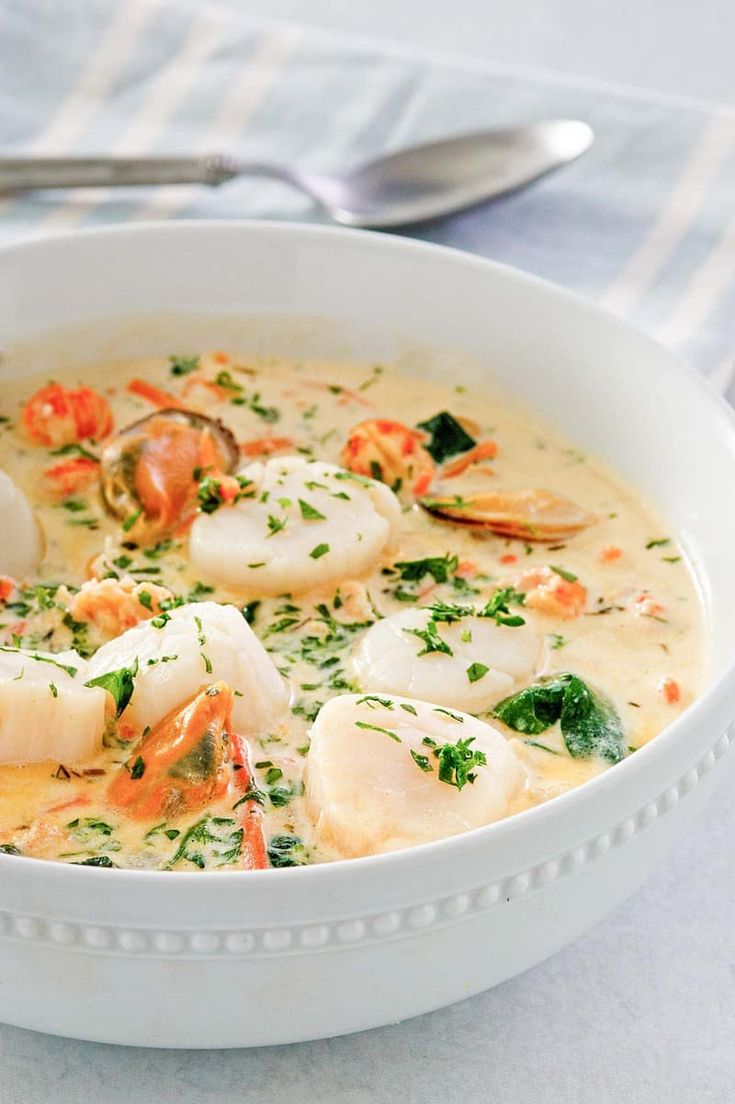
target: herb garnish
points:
(457, 762)
(182, 366)
(120, 684)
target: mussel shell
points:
(121, 454)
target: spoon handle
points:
(21, 173)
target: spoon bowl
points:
(441, 177)
(412, 185)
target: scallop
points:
(483, 660)
(149, 470)
(46, 711)
(194, 646)
(23, 544)
(372, 776)
(306, 524)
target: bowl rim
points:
(563, 805)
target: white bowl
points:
(230, 959)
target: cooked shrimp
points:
(69, 477)
(114, 605)
(191, 647)
(23, 545)
(54, 417)
(549, 592)
(373, 781)
(308, 524)
(391, 452)
(482, 660)
(46, 711)
(536, 515)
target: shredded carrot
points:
(195, 381)
(466, 568)
(611, 553)
(155, 395)
(671, 691)
(508, 558)
(7, 586)
(254, 855)
(485, 450)
(71, 804)
(220, 358)
(423, 483)
(264, 446)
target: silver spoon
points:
(409, 186)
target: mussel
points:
(151, 469)
(533, 515)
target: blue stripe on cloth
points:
(635, 223)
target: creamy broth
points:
(632, 633)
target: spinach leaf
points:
(589, 721)
(534, 709)
(212, 841)
(590, 724)
(285, 850)
(120, 684)
(447, 437)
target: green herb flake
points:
(378, 728)
(568, 576)
(120, 684)
(183, 366)
(476, 671)
(441, 568)
(131, 519)
(318, 551)
(310, 513)
(658, 542)
(137, 770)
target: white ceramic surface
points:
(242, 959)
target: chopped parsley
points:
(131, 519)
(568, 576)
(378, 728)
(476, 671)
(275, 525)
(183, 366)
(457, 762)
(441, 568)
(120, 684)
(318, 551)
(310, 513)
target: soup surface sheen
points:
(578, 612)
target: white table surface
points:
(640, 1011)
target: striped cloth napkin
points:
(644, 224)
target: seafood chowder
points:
(259, 613)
